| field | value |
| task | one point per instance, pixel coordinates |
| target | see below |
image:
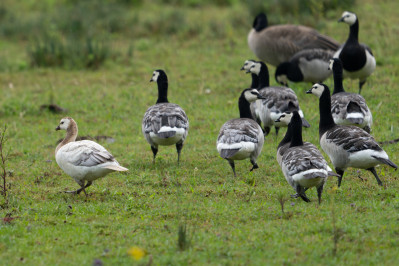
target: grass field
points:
(229, 221)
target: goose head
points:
(247, 65)
(281, 73)
(260, 22)
(251, 95)
(284, 119)
(317, 89)
(348, 18)
(65, 123)
(159, 75)
(256, 67)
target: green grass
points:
(227, 220)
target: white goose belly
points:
(168, 141)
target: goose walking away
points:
(241, 138)
(85, 160)
(164, 123)
(310, 65)
(302, 165)
(277, 44)
(357, 58)
(348, 108)
(347, 146)
(277, 100)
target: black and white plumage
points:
(348, 108)
(310, 65)
(241, 138)
(277, 44)
(164, 123)
(347, 146)
(302, 164)
(357, 58)
(277, 100)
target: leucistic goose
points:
(357, 58)
(164, 123)
(85, 160)
(277, 44)
(277, 100)
(303, 166)
(348, 108)
(241, 138)
(310, 65)
(347, 146)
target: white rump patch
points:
(246, 148)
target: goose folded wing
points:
(352, 139)
(168, 114)
(299, 160)
(87, 153)
(236, 131)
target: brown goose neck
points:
(71, 134)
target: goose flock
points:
(300, 54)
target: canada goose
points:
(303, 166)
(348, 108)
(85, 160)
(277, 100)
(164, 123)
(357, 58)
(277, 44)
(310, 65)
(241, 138)
(347, 146)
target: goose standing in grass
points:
(347, 146)
(348, 108)
(303, 165)
(310, 65)
(357, 58)
(85, 160)
(277, 100)
(277, 44)
(241, 138)
(164, 123)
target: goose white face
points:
(251, 95)
(330, 66)
(255, 68)
(317, 89)
(64, 123)
(155, 76)
(247, 65)
(282, 79)
(285, 118)
(348, 18)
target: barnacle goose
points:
(241, 138)
(85, 160)
(357, 58)
(277, 99)
(348, 108)
(303, 165)
(164, 123)
(347, 146)
(255, 80)
(310, 65)
(277, 44)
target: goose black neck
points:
(243, 106)
(296, 130)
(287, 137)
(354, 32)
(263, 77)
(255, 81)
(326, 119)
(260, 22)
(338, 76)
(162, 90)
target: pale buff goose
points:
(85, 160)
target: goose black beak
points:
(151, 80)
(261, 97)
(57, 128)
(277, 120)
(309, 91)
(242, 68)
(341, 19)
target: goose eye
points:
(62, 122)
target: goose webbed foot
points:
(301, 192)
